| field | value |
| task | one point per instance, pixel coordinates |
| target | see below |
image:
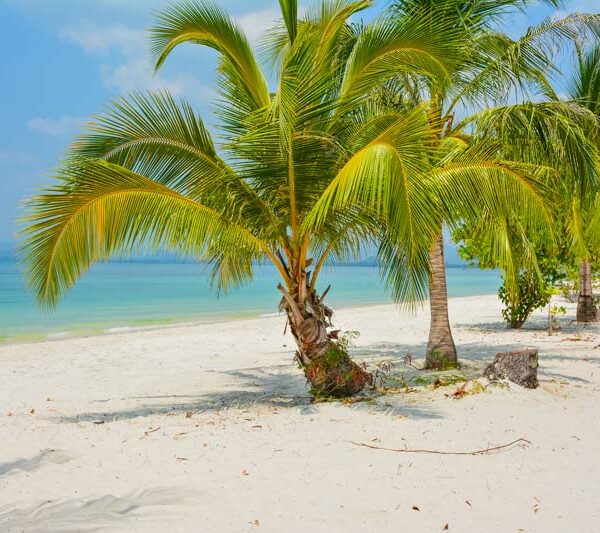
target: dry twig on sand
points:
(524, 443)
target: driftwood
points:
(519, 442)
(520, 367)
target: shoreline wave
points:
(171, 323)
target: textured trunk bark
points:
(441, 351)
(586, 307)
(326, 364)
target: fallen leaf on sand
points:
(181, 458)
(459, 392)
(415, 508)
(446, 527)
(32, 412)
(245, 472)
(468, 503)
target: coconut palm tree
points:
(147, 174)
(585, 207)
(485, 69)
(576, 184)
(306, 172)
(562, 134)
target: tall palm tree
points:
(563, 135)
(486, 67)
(585, 209)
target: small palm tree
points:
(288, 184)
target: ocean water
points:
(117, 295)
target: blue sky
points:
(63, 60)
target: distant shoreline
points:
(85, 333)
(141, 295)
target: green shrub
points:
(533, 294)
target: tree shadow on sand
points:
(92, 514)
(246, 387)
(476, 352)
(533, 324)
(45, 457)
(278, 387)
(283, 386)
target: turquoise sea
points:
(129, 295)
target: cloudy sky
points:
(63, 60)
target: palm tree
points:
(483, 66)
(562, 135)
(586, 207)
(576, 184)
(303, 175)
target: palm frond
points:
(559, 134)
(419, 45)
(205, 23)
(289, 10)
(99, 209)
(500, 64)
(155, 137)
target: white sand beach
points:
(210, 428)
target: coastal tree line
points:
(380, 133)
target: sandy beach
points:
(210, 428)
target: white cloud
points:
(100, 40)
(138, 74)
(56, 127)
(127, 66)
(255, 23)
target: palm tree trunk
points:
(326, 363)
(441, 351)
(586, 307)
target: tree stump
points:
(520, 367)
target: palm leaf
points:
(289, 10)
(207, 24)
(99, 209)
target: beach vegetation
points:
(554, 311)
(533, 294)
(534, 288)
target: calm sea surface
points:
(129, 295)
